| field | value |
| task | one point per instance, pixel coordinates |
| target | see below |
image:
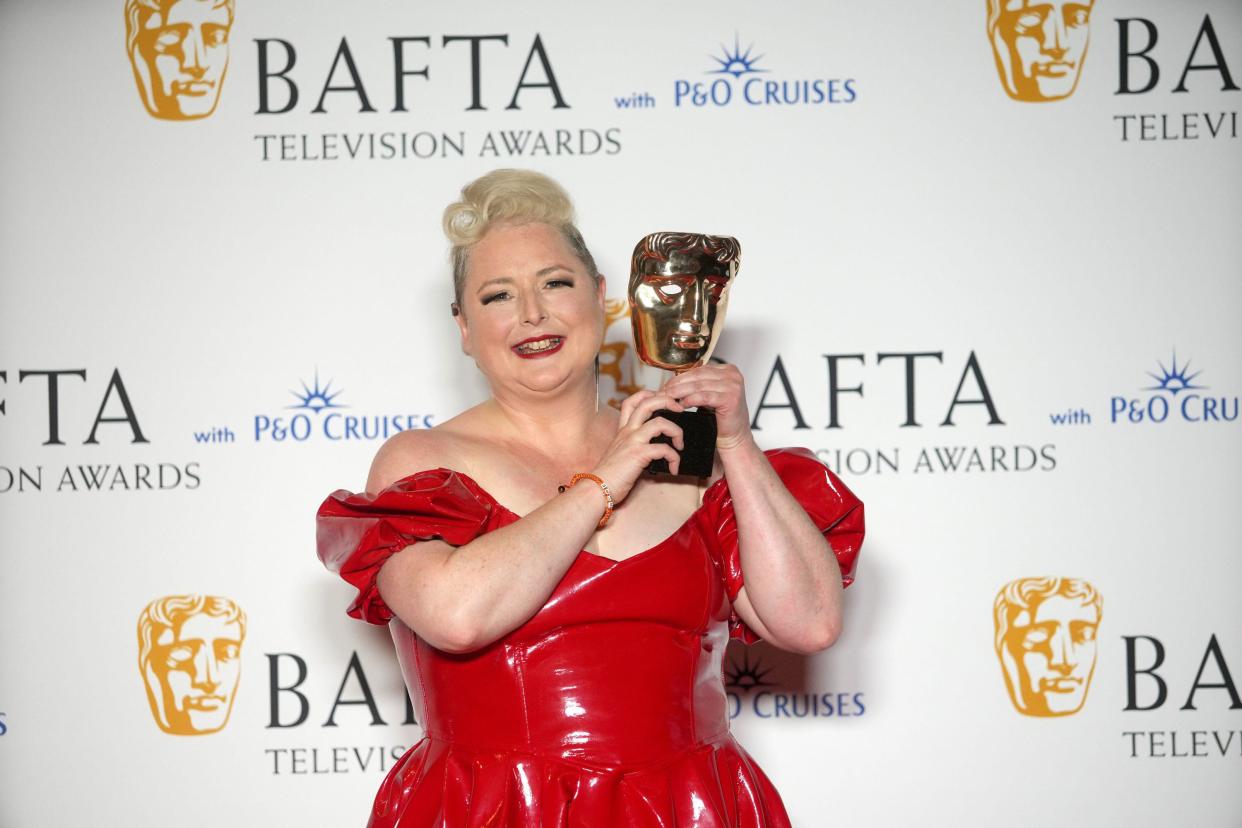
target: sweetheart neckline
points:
(610, 561)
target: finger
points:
(708, 399)
(660, 426)
(690, 375)
(661, 451)
(630, 403)
(645, 409)
(681, 390)
(709, 371)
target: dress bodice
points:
(622, 666)
(615, 684)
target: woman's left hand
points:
(719, 387)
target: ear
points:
(460, 318)
(601, 290)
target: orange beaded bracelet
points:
(608, 502)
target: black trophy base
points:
(698, 428)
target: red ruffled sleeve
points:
(832, 507)
(357, 533)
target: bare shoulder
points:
(417, 450)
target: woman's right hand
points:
(631, 448)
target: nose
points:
(206, 670)
(694, 308)
(1056, 39)
(1060, 652)
(193, 52)
(531, 308)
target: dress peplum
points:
(607, 707)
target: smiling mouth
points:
(542, 346)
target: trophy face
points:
(679, 291)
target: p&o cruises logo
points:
(310, 419)
(1176, 394)
(755, 689)
(741, 79)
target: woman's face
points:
(531, 315)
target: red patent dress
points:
(604, 710)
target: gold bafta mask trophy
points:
(679, 291)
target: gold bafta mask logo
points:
(189, 654)
(616, 356)
(1045, 639)
(180, 51)
(1039, 46)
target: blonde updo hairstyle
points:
(508, 197)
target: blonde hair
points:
(509, 196)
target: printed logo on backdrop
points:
(1046, 642)
(318, 412)
(620, 370)
(735, 77)
(1178, 395)
(930, 393)
(1046, 637)
(179, 53)
(189, 656)
(765, 688)
(69, 409)
(179, 50)
(1039, 49)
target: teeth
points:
(539, 345)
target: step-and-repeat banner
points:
(991, 276)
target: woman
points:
(564, 650)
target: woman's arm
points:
(463, 598)
(792, 595)
(459, 599)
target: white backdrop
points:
(922, 211)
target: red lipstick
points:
(538, 346)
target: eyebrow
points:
(500, 280)
(509, 280)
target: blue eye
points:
(560, 283)
(487, 300)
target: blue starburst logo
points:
(316, 398)
(746, 675)
(736, 62)
(1173, 379)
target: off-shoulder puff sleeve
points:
(357, 533)
(829, 503)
